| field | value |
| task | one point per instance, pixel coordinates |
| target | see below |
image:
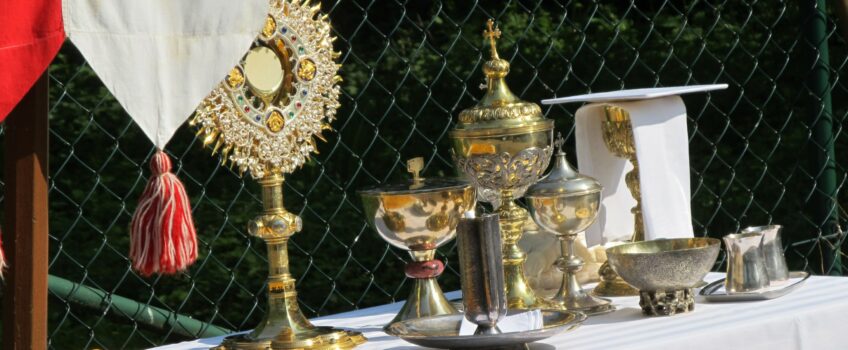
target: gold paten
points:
(263, 119)
(618, 136)
(503, 145)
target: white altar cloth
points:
(812, 317)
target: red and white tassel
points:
(162, 237)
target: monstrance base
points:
(318, 338)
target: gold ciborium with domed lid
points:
(504, 144)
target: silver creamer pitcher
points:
(773, 252)
(746, 264)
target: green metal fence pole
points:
(142, 313)
(824, 159)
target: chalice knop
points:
(503, 144)
(262, 118)
(565, 203)
(618, 136)
(419, 216)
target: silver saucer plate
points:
(711, 291)
(443, 331)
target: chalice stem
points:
(518, 292)
(632, 180)
(571, 264)
(426, 298)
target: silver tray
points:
(711, 292)
(443, 331)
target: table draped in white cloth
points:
(811, 317)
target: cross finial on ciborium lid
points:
(558, 142)
(493, 33)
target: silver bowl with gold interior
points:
(665, 271)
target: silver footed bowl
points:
(442, 332)
(665, 270)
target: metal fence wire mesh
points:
(759, 150)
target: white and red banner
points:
(31, 34)
(159, 58)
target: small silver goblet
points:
(566, 203)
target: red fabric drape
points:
(31, 33)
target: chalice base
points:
(426, 299)
(612, 285)
(666, 302)
(614, 288)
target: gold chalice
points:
(618, 136)
(419, 216)
(262, 118)
(565, 203)
(503, 145)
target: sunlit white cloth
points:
(662, 149)
(160, 58)
(658, 118)
(810, 318)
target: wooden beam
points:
(25, 231)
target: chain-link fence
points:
(759, 150)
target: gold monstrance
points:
(262, 118)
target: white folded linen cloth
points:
(160, 58)
(658, 117)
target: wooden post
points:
(25, 230)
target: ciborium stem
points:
(519, 295)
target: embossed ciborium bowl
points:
(665, 271)
(419, 216)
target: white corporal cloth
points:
(160, 58)
(812, 317)
(658, 117)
